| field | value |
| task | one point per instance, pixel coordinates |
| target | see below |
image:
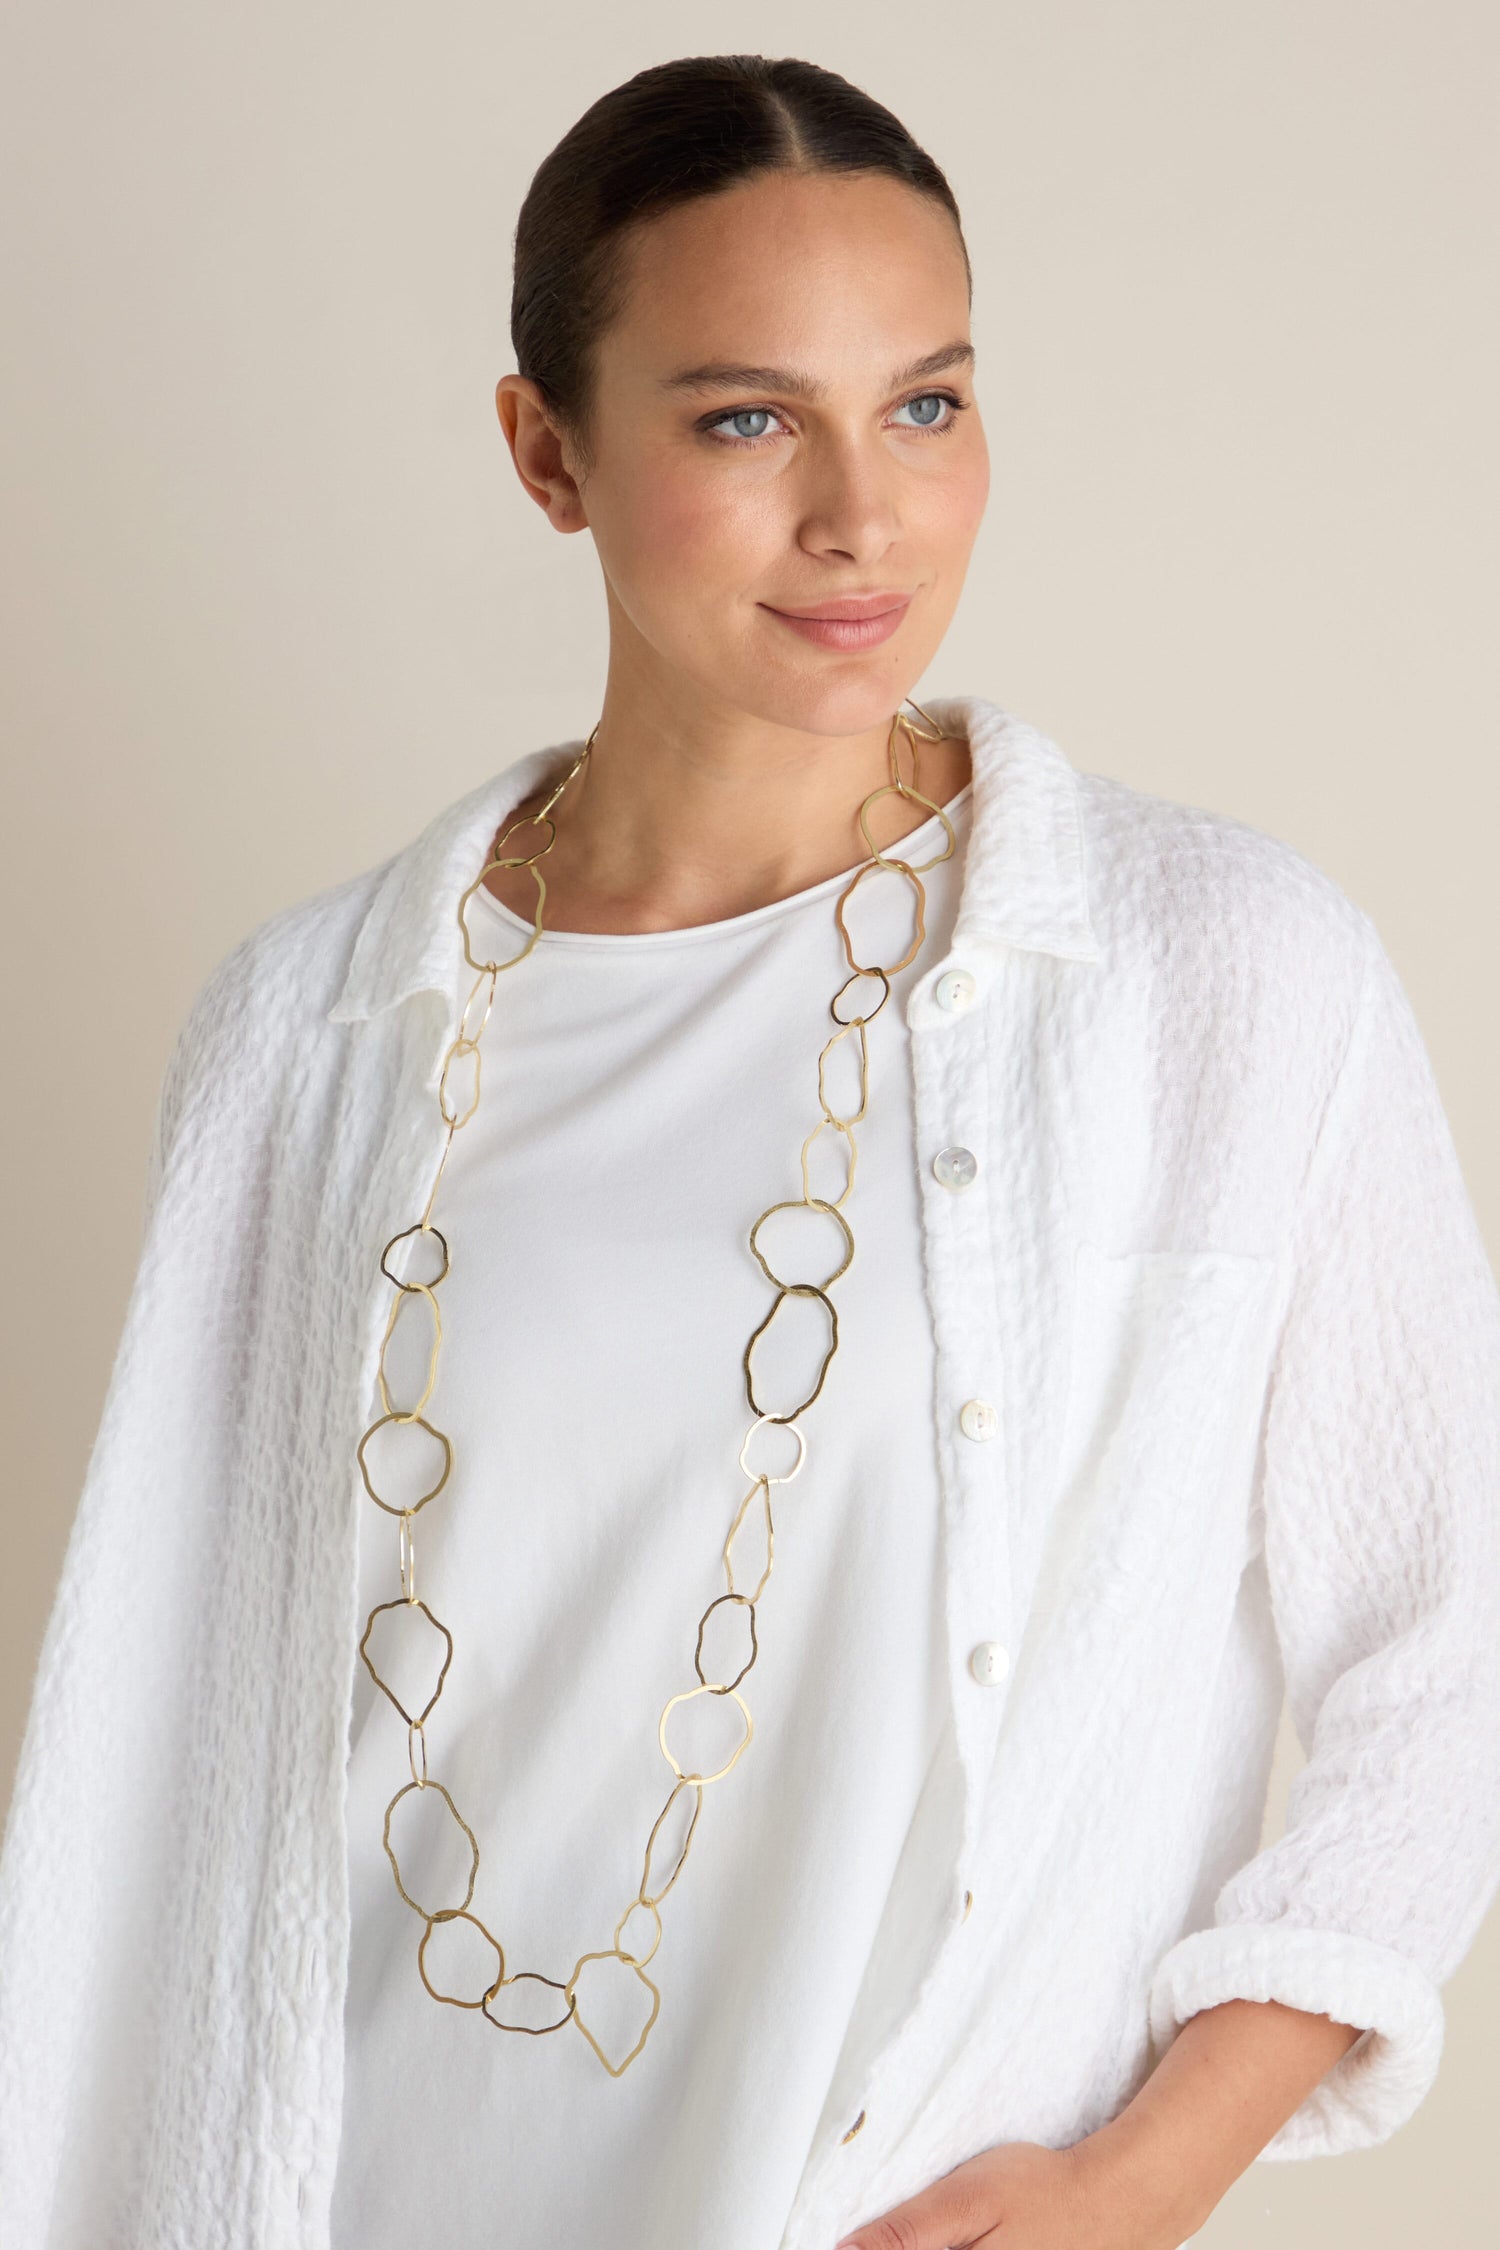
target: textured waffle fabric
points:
(1218, 1275)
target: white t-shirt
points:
(644, 1097)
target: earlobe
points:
(537, 451)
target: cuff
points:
(1370, 2090)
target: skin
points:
(731, 757)
(733, 754)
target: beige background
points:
(273, 597)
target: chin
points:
(852, 695)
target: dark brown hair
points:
(676, 131)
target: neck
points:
(681, 818)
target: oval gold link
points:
(727, 1687)
(870, 867)
(406, 1422)
(761, 1485)
(415, 1734)
(804, 1203)
(689, 1695)
(642, 1906)
(399, 1302)
(792, 1289)
(854, 1116)
(853, 978)
(452, 1117)
(407, 1603)
(827, 1124)
(654, 1898)
(458, 1914)
(528, 1976)
(405, 1235)
(405, 1791)
(408, 1558)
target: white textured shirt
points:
(644, 1096)
(1218, 1275)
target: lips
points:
(854, 621)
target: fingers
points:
(945, 2216)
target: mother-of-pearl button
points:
(955, 1167)
(956, 990)
(977, 1418)
(989, 1663)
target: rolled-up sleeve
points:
(1379, 1501)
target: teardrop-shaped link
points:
(415, 1262)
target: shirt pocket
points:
(1169, 1358)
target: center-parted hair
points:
(679, 130)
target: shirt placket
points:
(950, 1022)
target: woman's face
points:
(783, 417)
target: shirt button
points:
(956, 990)
(977, 1418)
(955, 1167)
(989, 1663)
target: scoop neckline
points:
(729, 925)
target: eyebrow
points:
(720, 375)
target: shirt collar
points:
(1024, 882)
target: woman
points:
(579, 1708)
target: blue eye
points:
(927, 408)
(759, 416)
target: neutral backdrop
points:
(272, 597)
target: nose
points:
(849, 511)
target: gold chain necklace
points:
(464, 1051)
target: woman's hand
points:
(1149, 2178)
(1021, 2196)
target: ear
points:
(540, 452)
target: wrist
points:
(1131, 2170)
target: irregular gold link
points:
(761, 1485)
(654, 1898)
(493, 968)
(405, 1791)
(804, 1203)
(529, 1976)
(727, 1687)
(485, 977)
(452, 1117)
(612, 1953)
(645, 1906)
(765, 1475)
(408, 1602)
(896, 866)
(465, 1045)
(457, 1914)
(792, 1289)
(399, 1303)
(937, 734)
(854, 1117)
(825, 1124)
(408, 1422)
(690, 1695)
(853, 978)
(405, 1236)
(884, 859)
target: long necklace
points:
(458, 1099)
